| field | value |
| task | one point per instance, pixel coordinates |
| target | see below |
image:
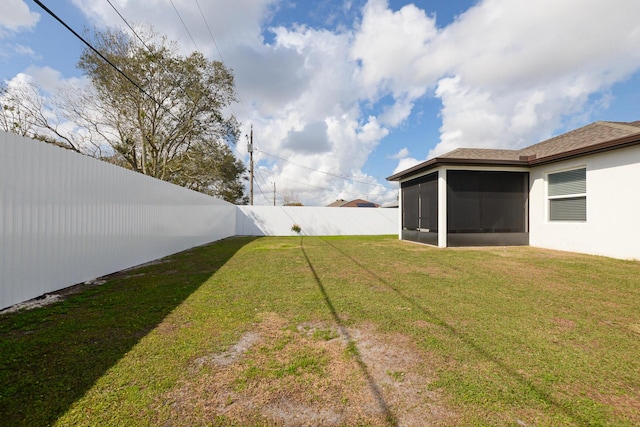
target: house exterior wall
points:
(612, 227)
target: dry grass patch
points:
(311, 373)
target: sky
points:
(343, 93)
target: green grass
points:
(511, 334)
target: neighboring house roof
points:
(337, 203)
(592, 138)
(357, 203)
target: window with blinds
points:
(568, 195)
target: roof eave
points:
(441, 161)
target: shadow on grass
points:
(51, 356)
(351, 345)
(432, 318)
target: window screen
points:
(410, 207)
(487, 201)
(568, 195)
(420, 203)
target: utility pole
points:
(274, 193)
(250, 150)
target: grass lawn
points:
(334, 331)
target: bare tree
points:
(290, 199)
(25, 111)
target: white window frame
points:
(577, 195)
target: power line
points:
(323, 172)
(130, 27)
(184, 25)
(216, 45)
(197, 49)
(104, 58)
(209, 29)
(306, 184)
(220, 53)
(161, 63)
(260, 188)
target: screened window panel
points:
(568, 209)
(420, 203)
(568, 182)
(463, 199)
(487, 201)
(429, 205)
(410, 207)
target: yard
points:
(334, 331)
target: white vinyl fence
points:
(66, 218)
(315, 221)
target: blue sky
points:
(363, 88)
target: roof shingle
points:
(579, 139)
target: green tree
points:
(211, 169)
(172, 126)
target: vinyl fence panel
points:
(66, 218)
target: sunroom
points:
(445, 203)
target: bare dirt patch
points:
(52, 297)
(313, 373)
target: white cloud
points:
(521, 67)
(38, 88)
(388, 44)
(311, 139)
(47, 78)
(231, 24)
(403, 153)
(16, 16)
(317, 122)
(507, 72)
(21, 49)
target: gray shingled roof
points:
(579, 139)
(592, 134)
(481, 154)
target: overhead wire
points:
(260, 189)
(242, 104)
(280, 178)
(324, 172)
(222, 59)
(184, 25)
(245, 108)
(104, 58)
(206, 23)
(135, 33)
(143, 91)
(130, 27)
